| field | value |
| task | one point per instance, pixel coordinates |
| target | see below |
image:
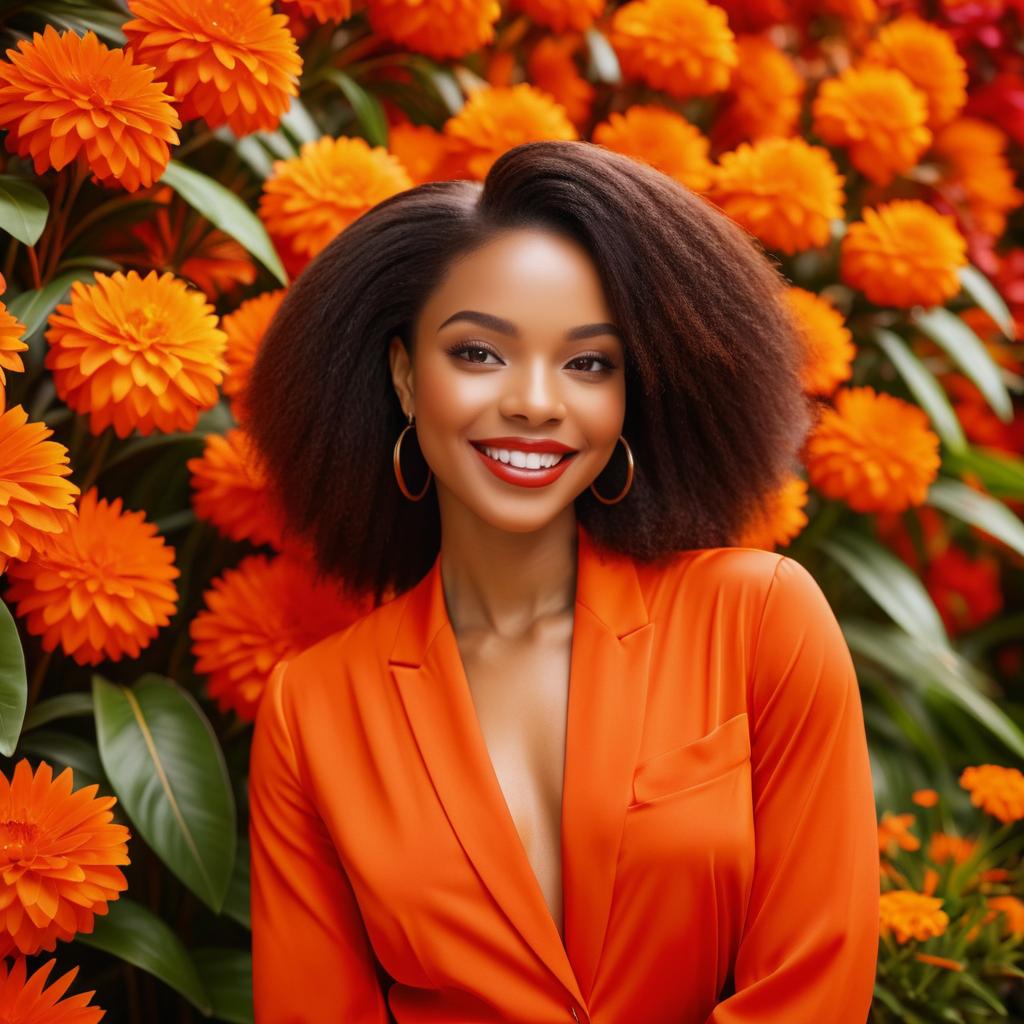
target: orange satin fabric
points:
(719, 839)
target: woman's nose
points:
(532, 392)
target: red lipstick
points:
(521, 476)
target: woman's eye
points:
(599, 363)
(471, 353)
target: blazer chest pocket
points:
(701, 760)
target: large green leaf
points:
(227, 975)
(134, 933)
(226, 211)
(166, 766)
(1001, 473)
(23, 209)
(889, 581)
(13, 682)
(365, 105)
(34, 307)
(981, 510)
(65, 705)
(985, 295)
(81, 18)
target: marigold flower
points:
(928, 56)
(662, 138)
(35, 500)
(438, 28)
(925, 797)
(230, 490)
(138, 353)
(903, 253)
(255, 615)
(228, 63)
(424, 152)
(996, 790)
(828, 342)
(551, 68)
(495, 119)
(100, 589)
(58, 858)
(245, 328)
(784, 191)
(1013, 911)
(878, 115)
(779, 521)
(28, 1002)
(874, 451)
(894, 831)
(683, 47)
(943, 847)
(11, 330)
(562, 15)
(64, 97)
(911, 915)
(312, 197)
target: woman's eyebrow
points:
(502, 326)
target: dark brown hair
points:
(715, 411)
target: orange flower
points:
(928, 56)
(965, 590)
(424, 152)
(925, 797)
(562, 15)
(62, 97)
(911, 915)
(781, 519)
(996, 790)
(230, 490)
(894, 830)
(30, 1003)
(35, 500)
(943, 847)
(58, 858)
(312, 197)
(325, 11)
(244, 329)
(683, 47)
(102, 588)
(903, 253)
(662, 138)
(495, 119)
(1013, 911)
(11, 330)
(256, 614)
(784, 191)
(438, 28)
(828, 342)
(138, 353)
(878, 115)
(228, 63)
(550, 67)
(874, 451)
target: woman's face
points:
(516, 345)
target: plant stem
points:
(37, 281)
(38, 675)
(96, 464)
(57, 243)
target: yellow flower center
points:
(17, 838)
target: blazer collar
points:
(610, 662)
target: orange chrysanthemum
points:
(662, 138)
(874, 451)
(911, 915)
(11, 330)
(785, 191)
(424, 152)
(64, 97)
(996, 790)
(779, 521)
(244, 329)
(928, 56)
(228, 63)
(550, 67)
(325, 11)
(683, 47)
(894, 832)
(256, 614)
(438, 28)
(138, 353)
(312, 197)
(562, 15)
(925, 797)
(903, 253)
(828, 342)
(28, 1002)
(943, 847)
(878, 115)
(230, 490)
(1013, 911)
(493, 120)
(58, 858)
(35, 499)
(102, 588)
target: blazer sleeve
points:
(809, 946)
(312, 962)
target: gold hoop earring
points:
(629, 478)
(396, 459)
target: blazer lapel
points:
(607, 694)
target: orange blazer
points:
(719, 837)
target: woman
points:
(583, 761)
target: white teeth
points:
(525, 460)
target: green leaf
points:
(365, 105)
(227, 975)
(226, 211)
(13, 682)
(889, 581)
(1001, 473)
(65, 705)
(300, 125)
(82, 19)
(980, 510)
(968, 351)
(924, 387)
(983, 992)
(236, 904)
(250, 150)
(135, 934)
(439, 80)
(33, 308)
(23, 209)
(603, 61)
(166, 766)
(63, 750)
(984, 294)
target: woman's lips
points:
(525, 477)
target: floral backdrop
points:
(169, 166)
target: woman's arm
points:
(312, 962)
(809, 948)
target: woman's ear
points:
(401, 374)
